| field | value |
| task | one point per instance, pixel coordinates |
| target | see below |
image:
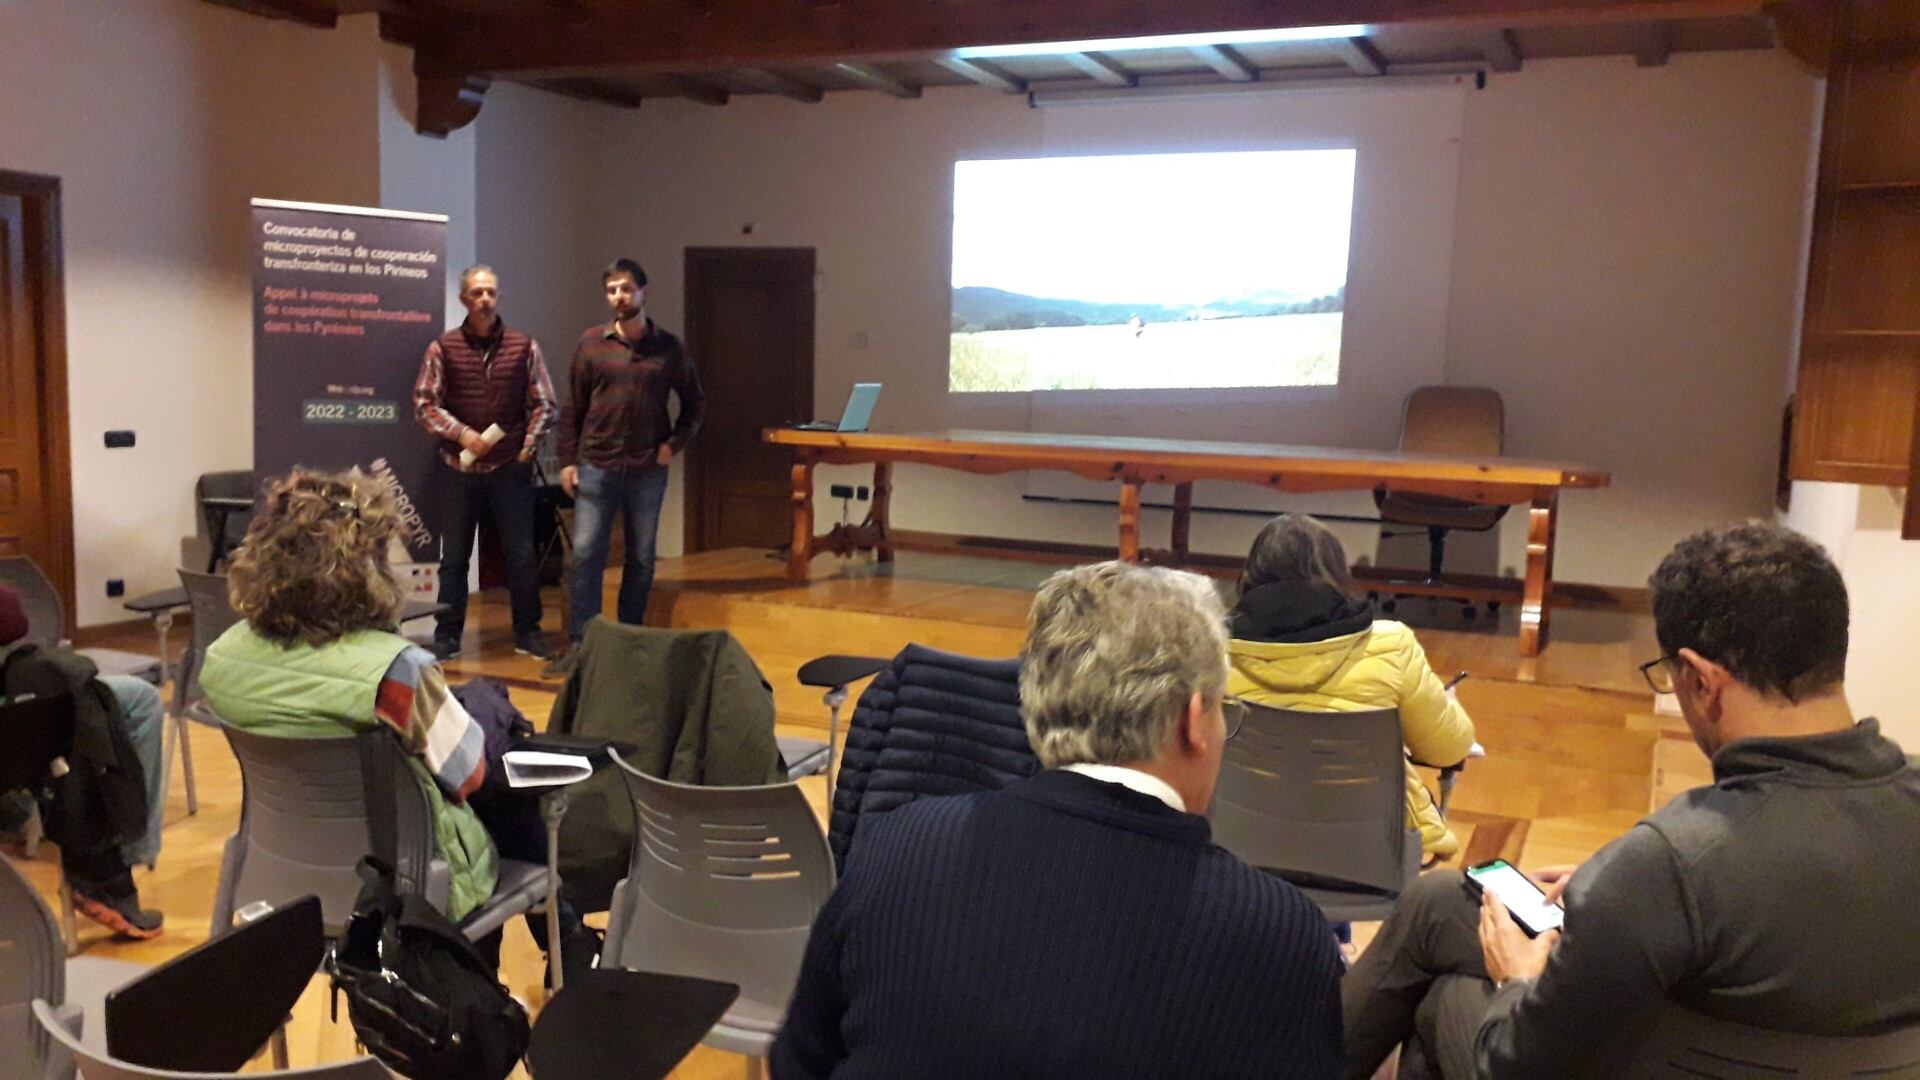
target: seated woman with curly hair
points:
(316, 656)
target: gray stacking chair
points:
(212, 615)
(96, 1065)
(33, 966)
(1685, 1045)
(722, 883)
(304, 827)
(1319, 798)
(47, 622)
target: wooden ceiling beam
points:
(1102, 68)
(874, 79)
(1360, 55)
(1231, 65)
(985, 74)
(784, 86)
(1502, 51)
(1655, 44)
(315, 13)
(728, 34)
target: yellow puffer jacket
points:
(1382, 667)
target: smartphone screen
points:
(1522, 897)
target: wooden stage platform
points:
(1575, 752)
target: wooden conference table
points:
(1134, 462)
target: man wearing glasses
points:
(1782, 897)
(1080, 922)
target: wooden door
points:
(750, 333)
(36, 517)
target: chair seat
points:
(749, 1027)
(117, 662)
(1413, 508)
(804, 757)
(522, 887)
(1339, 906)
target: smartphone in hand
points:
(1524, 900)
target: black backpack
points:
(420, 998)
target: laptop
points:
(858, 412)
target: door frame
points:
(701, 263)
(41, 194)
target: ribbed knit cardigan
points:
(1060, 927)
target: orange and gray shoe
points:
(124, 915)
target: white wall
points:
(1627, 272)
(161, 118)
(1625, 250)
(1860, 528)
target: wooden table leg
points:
(1129, 521)
(882, 509)
(1182, 521)
(1535, 605)
(801, 552)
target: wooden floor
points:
(1575, 753)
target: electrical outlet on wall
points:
(116, 587)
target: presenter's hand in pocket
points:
(471, 440)
(664, 455)
(570, 480)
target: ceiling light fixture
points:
(1163, 41)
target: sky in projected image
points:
(1161, 270)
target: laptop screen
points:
(860, 406)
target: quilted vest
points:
(480, 393)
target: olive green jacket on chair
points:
(696, 709)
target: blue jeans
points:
(146, 725)
(634, 495)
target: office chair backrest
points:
(46, 618)
(1685, 1044)
(33, 965)
(1467, 421)
(1316, 797)
(722, 883)
(213, 615)
(97, 1066)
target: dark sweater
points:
(1060, 927)
(1782, 897)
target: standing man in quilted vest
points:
(475, 378)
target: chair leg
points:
(1436, 551)
(67, 927)
(184, 737)
(32, 832)
(278, 1042)
(835, 698)
(756, 1068)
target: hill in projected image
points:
(1158, 270)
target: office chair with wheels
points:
(1463, 421)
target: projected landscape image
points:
(1142, 271)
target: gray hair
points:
(1113, 654)
(466, 276)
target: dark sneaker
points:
(124, 916)
(532, 645)
(445, 648)
(561, 667)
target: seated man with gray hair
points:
(1081, 922)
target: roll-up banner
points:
(345, 301)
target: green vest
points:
(327, 692)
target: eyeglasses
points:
(1234, 710)
(1659, 673)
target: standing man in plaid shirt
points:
(474, 376)
(615, 442)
